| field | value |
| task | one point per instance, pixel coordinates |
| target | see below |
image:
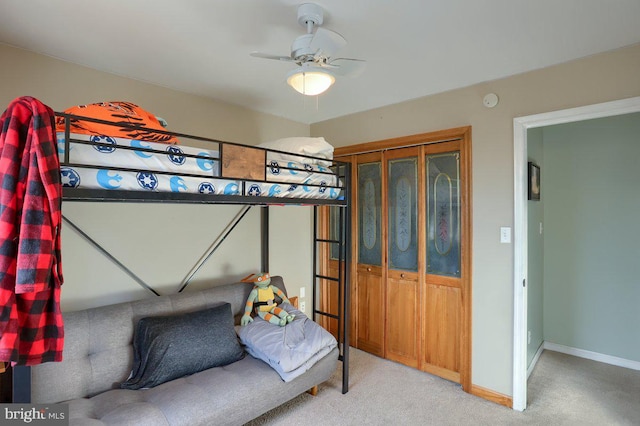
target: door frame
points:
(520, 127)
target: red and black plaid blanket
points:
(31, 327)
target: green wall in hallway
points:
(591, 193)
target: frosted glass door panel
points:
(369, 223)
(443, 214)
(403, 213)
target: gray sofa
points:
(98, 357)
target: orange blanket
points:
(121, 113)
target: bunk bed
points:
(97, 168)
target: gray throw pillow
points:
(169, 347)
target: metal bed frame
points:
(342, 238)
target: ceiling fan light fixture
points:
(310, 83)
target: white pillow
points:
(315, 147)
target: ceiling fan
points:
(314, 53)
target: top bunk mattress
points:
(114, 163)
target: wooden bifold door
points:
(411, 286)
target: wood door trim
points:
(465, 261)
(404, 141)
(403, 153)
(372, 157)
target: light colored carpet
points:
(563, 390)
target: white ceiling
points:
(413, 48)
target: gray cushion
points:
(169, 347)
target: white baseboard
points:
(595, 356)
(535, 359)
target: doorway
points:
(521, 126)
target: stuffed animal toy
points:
(262, 299)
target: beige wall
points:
(610, 76)
(159, 243)
(91, 280)
(61, 84)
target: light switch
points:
(302, 291)
(505, 234)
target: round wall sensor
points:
(490, 100)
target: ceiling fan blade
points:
(326, 42)
(347, 67)
(269, 56)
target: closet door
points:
(403, 251)
(328, 289)
(424, 269)
(443, 295)
(370, 306)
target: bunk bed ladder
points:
(342, 239)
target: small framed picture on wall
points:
(534, 182)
